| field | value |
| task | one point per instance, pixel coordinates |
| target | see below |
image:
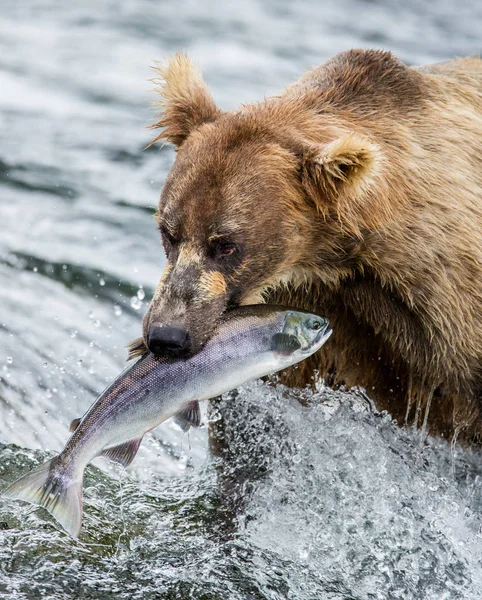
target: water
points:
(325, 501)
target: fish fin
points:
(54, 491)
(189, 416)
(74, 424)
(137, 348)
(123, 453)
(284, 343)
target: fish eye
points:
(316, 325)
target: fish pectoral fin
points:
(123, 453)
(189, 416)
(74, 424)
(284, 343)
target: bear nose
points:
(163, 339)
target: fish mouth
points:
(327, 333)
(323, 336)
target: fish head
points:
(300, 335)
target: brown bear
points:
(356, 193)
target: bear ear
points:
(345, 167)
(185, 101)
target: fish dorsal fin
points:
(284, 343)
(189, 416)
(74, 424)
(123, 453)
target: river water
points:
(326, 500)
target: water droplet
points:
(45, 365)
(79, 362)
(35, 269)
(97, 323)
(102, 281)
(9, 360)
(304, 554)
(117, 310)
(141, 294)
(73, 333)
(136, 303)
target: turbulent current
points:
(319, 499)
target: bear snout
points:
(166, 339)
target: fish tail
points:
(56, 490)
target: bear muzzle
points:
(168, 340)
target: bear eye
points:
(221, 249)
(226, 249)
(167, 237)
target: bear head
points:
(264, 197)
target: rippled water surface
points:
(320, 501)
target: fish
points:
(249, 342)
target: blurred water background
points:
(338, 503)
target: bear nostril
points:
(163, 339)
